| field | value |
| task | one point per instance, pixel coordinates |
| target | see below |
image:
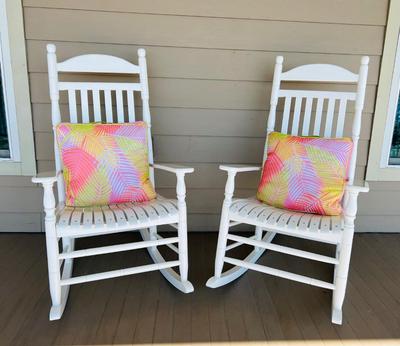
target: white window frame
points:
(16, 91)
(378, 168)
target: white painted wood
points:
(171, 246)
(99, 86)
(336, 230)
(358, 108)
(55, 111)
(85, 106)
(296, 116)
(67, 223)
(97, 63)
(15, 90)
(307, 117)
(73, 114)
(320, 73)
(145, 106)
(280, 273)
(318, 116)
(286, 113)
(317, 93)
(117, 248)
(386, 103)
(237, 244)
(118, 273)
(168, 273)
(341, 117)
(131, 106)
(329, 118)
(109, 108)
(283, 249)
(120, 106)
(96, 105)
(237, 271)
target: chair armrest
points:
(350, 201)
(173, 168)
(46, 177)
(180, 172)
(239, 168)
(357, 188)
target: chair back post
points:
(274, 101)
(358, 108)
(146, 107)
(55, 112)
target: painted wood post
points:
(52, 243)
(359, 104)
(276, 83)
(224, 224)
(344, 254)
(146, 107)
(182, 226)
(258, 236)
(55, 112)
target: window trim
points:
(17, 98)
(378, 168)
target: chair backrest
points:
(318, 112)
(92, 95)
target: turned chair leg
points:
(68, 244)
(258, 236)
(341, 274)
(183, 253)
(224, 226)
(54, 272)
(221, 246)
(182, 228)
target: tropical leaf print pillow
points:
(306, 174)
(104, 163)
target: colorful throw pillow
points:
(104, 163)
(306, 174)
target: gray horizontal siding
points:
(347, 12)
(210, 67)
(201, 32)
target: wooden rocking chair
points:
(337, 230)
(67, 223)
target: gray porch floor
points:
(146, 309)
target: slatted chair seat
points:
(253, 212)
(84, 221)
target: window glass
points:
(4, 143)
(394, 157)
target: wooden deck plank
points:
(129, 315)
(200, 330)
(145, 308)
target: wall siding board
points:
(210, 107)
(200, 201)
(194, 149)
(21, 222)
(196, 121)
(201, 32)
(199, 63)
(197, 93)
(207, 176)
(330, 11)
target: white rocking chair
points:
(337, 230)
(67, 223)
